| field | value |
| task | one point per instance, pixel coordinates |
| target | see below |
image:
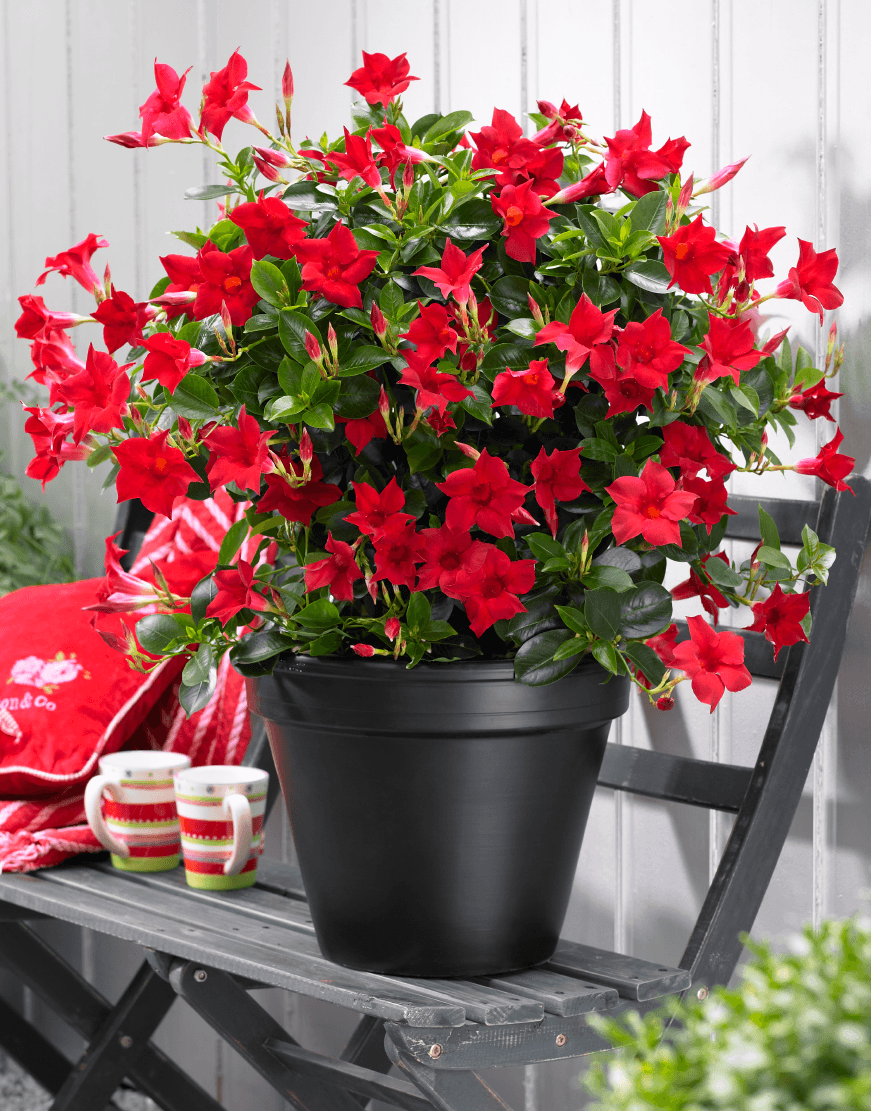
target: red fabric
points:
(36, 832)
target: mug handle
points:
(94, 813)
(239, 809)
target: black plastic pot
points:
(438, 813)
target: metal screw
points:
(561, 1040)
(200, 975)
(702, 993)
(435, 1051)
(126, 1041)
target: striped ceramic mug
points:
(220, 810)
(140, 825)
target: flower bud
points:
(313, 348)
(720, 178)
(378, 321)
(185, 429)
(333, 341)
(306, 451)
(407, 176)
(364, 650)
(391, 627)
(384, 404)
(534, 309)
(468, 450)
(685, 196)
(287, 85)
(666, 702)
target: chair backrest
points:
(766, 796)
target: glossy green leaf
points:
(534, 664)
(233, 540)
(269, 282)
(645, 658)
(645, 611)
(318, 615)
(602, 610)
(195, 398)
(160, 633)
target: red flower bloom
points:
(339, 571)
(526, 219)
(54, 359)
(587, 334)
(433, 387)
(484, 495)
(810, 280)
(649, 506)
(663, 644)
(696, 587)
(779, 617)
(38, 322)
(431, 333)
(440, 423)
(446, 553)
(730, 348)
(634, 166)
(377, 512)
(49, 431)
(225, 94)
(152, 471)
(815, 402)
(362, 431)
(625, 394)
(689, 447)
(564, 126)
(692, 254)
(501, 146)
(394, 153)
(531, 390)
(557, 478)
(163, 112)
(593, 185)
(226, 279)
(357, 161)
(754, 248)
(169, 359)
(270, 227)
(380, 78)
(828, 465)
(490, 592)
(238, 454)
(99, 394)
(76, 263)
(398, 550)
(298, 503)
(122, 319)
(235, 592)
(647, 353)
(335, 266)
(713, 662)
(455, 273)
(185, 276)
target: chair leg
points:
(118, 1044)
(32, 1050)
(447, 1089)
(79, 1004)
(366, 1048)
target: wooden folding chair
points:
(210, 948)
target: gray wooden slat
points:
(283, 879)
(675, 778)
(558, 994)
(790, 516)
(224, 938)
(630, 977)
(488, 1003)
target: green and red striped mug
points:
(140, 825)
(220, 810)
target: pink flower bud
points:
(666, 702)
(333, 341)
(468, 450)
(407, 176)
(225, 319)
(720, 177)
(383, 404)
(275, 158)
(548, 110)
(185, 429)
(534, 309)
(306, 451)
(313, 348)
(287, 85)
(364, 650)
(378, 321)
(269, 172)
(391, 627)
(686, 195)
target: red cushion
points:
(66, 697)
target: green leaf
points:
(768, 530)
(269, 282)
(201, 595)
(257, 646)
(645, 658)
(602, 610)
(534, 664)
(444, 125)
(599, 450)
(649, 212)
(195, 398)
(160, 632)
(569, 648)
(474, 219)
(318, 615)
(390, 301)
(194, 239)
(208, 192)
(722, 574)
(292, 327)
(233, 540)
(319, 416)
(100, 455)
(422, 456)
(326, 644)
(742, 399)
(650, 275)
(509, 296)
(304, 196)
(523, 326)
(611, 577)
(284, 409)
(573, 618)
(419, 613)
(716, 406)
(608, 656)
(773, 557)
(623, 558)
(503, 356)
(226, 235)
(543, 546)
(540, 616)
(645, 611)
(362, 359)
(358, 398)
(198, 667)
(479, 405)
(195, 696)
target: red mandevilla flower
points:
(38, 322)
(634, 166)
(490, 592)
(270, 227)
(647, 353)
(530, 390)
(394, 153)
(431, 333)
(692, 254)
(335, 266)
(649, 506)
(526, 219)
(625, 393)
(447, 553)
(238, 454)
(225, 96)
(297, 503)
(339, 571)
(484, 495)
(363, 430)
(810, 280)
(152, 471)
(49, 431)
(98, 393)
(815, 402)
(730, 348)
(714, 662)
(434, 387)
(380, 78)
(121, 592)
(828, 465)
(711, 503)
(122, 319)
(169, 359)
(235, 593)
(689, 447)
(557, 478)
(226, 280)
(76, 262)
(163, 112)
(455, 273)
(54, 359)
(184, 277)
(398, 550)
(696, 587)
(357, 160)
(587, 334)
(780, 618)
(376, 512)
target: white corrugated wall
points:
(782, 80)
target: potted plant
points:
(475, 390)
(793, 1034)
